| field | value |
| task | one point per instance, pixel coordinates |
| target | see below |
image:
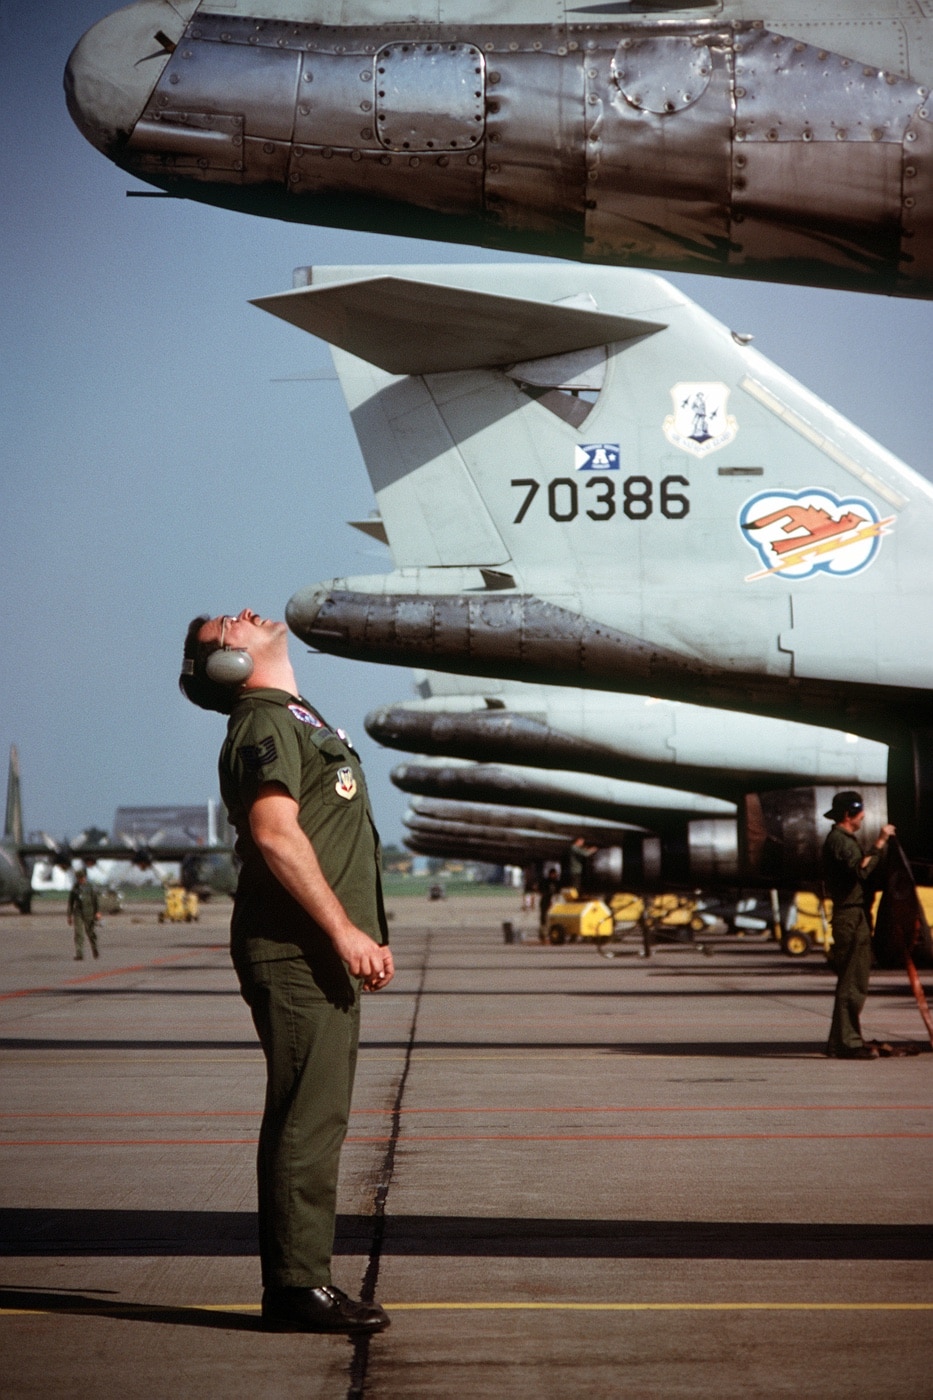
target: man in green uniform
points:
(83, 913)
(308, 934)
(846, 869)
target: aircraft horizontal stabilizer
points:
(416, 327)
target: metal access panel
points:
(658, 149)
(220, 76)
(430, 96)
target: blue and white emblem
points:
(304, 716)
(596, 457)
(700, 424)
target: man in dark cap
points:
(846, 872)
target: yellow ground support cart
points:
(569, 920)
(181, 906)
(809, 921)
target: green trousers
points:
(851, 962)
(82, 927)
(306, 1013)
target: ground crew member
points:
(308, 933)
(83, 913)
(846, 871)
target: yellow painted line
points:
(143, 1308)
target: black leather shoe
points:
(324, 1309)
(854, 1052)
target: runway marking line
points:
(111, 972)
(509, 1109)
(481, 1137)
(143, 1308)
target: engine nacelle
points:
(781, 834)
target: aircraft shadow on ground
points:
(118, 1233)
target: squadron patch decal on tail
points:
(700, 424)
(803, 533)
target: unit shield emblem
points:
(700, 424)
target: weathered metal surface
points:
(684, 141)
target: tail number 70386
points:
(600, 497)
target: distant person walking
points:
(83, 914)
(846, 872)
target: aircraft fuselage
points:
(710, 140)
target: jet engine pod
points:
(781, 834)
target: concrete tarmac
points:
(565, 1176)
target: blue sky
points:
(154, 468)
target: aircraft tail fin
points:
(13, 824)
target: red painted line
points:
(112, 972)
(510, 1110)
(481, 1137)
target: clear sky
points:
(153, 467)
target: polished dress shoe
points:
(324, 1309)
(854, 1052)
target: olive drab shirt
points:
(82, 899)
(846, 882)
(274, 737)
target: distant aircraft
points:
(787, 142)
(561, 507)
(206, 868)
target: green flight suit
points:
(304, 1003)
(82, 910)
(847, 885)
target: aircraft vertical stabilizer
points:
(13, 823)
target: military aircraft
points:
(788, 143)
(588, 481)
(208, 869)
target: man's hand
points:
(365, 958)
(887, 831)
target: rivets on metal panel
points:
(494, 170)
(385, 160)
(740, 92)
(877, 133)
(562, 50)
(494, 78)
(841, 134)
(740, 136)
(187, 53)
(414, 162)
(910, 136)
(366, 106)
(910, 171)
(202, 162)
(495, 138)
(592, 72)
(294, 177)
(326, 152)
(367, 133)
(268, 147)
(490, 48)
(304, 109)
(772, 135)
(492, 107)
(909, 202)
(307, 77)
(592, 100)
(366, 76)
(513, 47)
(299, 152)
(807, 134)
(443, 161)
(741, 162)
(174, 78)
(356, 155)
(537, 46)
(163, 100)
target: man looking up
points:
(308, 933)
(846, 869)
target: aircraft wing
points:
(420, 327)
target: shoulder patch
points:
(305, 716)
(256, 756)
